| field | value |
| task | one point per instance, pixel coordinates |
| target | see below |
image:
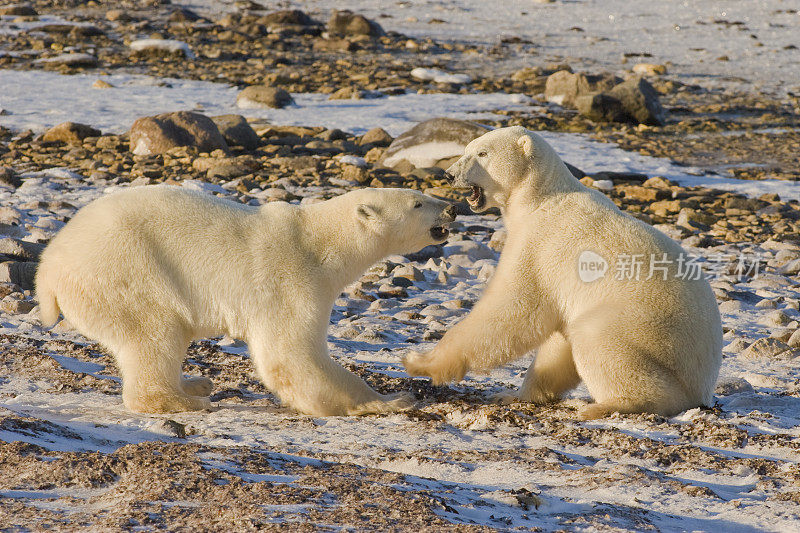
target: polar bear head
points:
(404, 219)
(499, 162)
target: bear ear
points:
(526, 143)
(367, 212)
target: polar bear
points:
(146, 270)
(645, 343)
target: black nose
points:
(449, 177)
(451, 211)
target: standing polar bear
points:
(147, 270)
(644, 336)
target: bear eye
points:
(417, 205)
(482, 154)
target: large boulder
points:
(288, 17)
(18, 10)
(346, 22)
(564, 87)
(434, 142)
(640, 101)
(261, 96)
(157, 134)
(70, 133)
(237, 132)
(601, 107)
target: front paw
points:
(506, 397)
(535, 397)
(390, 403)
(440, 369)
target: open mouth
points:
(476, 199)
(439, 233)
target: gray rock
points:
(346, 22)
(334, 45)
(21, 273)
(601, 107)
(794, 340)
(16, 307)
(157, 134)
(474, 250)
(9, 177)
(18, 10)
(70, 133)
(288, 17)
(257, 96)
(237, 132)
(640, 101)
(564, 87)
(227, 170)
(171, 428)
(578, 173)
(27, 251)
(728, 386)
(446, 137)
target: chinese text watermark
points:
(641, 267)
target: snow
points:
(59, 98)
(353, 160)
(439, 76)
(756, 37)
(166, 45)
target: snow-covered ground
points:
(457, 458)
(60, 98)
(711, 41)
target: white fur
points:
(146, 270)
(639, 346)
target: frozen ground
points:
(759, 38)
(732, 468)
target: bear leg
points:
(152, 381)
(622, 380)
(551, 374)
(305, 378)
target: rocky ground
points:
(72, 458)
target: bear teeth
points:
(476, 197)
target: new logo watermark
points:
(592, 266)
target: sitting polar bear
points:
(146, 270)
(645, 343)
